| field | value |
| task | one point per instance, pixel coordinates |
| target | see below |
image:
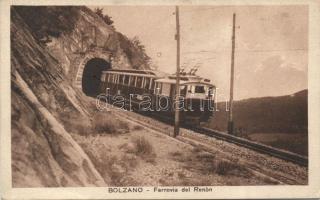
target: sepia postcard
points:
(160, 99)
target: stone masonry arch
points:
(83, 60)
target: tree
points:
(141, 49)
(107, 19)
(99, 12)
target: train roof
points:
(182, 82)
(162, 77)
(137, 72)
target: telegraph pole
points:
(177, 37)
(230, 122)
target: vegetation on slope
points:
(277, 121)
(45, 21)
(284, 114)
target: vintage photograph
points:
(130, 96)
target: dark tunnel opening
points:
(91, 75)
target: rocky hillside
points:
(45, 42)
(69, 33)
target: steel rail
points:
(261, 148)
(255, 146)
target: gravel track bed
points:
(283, 171)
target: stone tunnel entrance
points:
(91, 75)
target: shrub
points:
(224, 167)
(75, 123)
(137, 128)
(176, 154)
(144, 149)
(231, 168)
(107, 19)
(143, 146)
(107, 123)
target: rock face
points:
(43, 96)
(90, 37)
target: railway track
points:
(258, 147)
(261, 148)
(267, 171)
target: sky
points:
(271, 54)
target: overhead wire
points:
(228, 50)
(246, 50)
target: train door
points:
(152, 85)
(126, 85)
(139, 85)
(183, 91)
(165, 91)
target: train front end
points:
(199, 101)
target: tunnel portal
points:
(91, 75)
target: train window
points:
(157, 88)
(165, 90)
(111, 78)
(121, 79)
(103, 77)
(133, 79)
(126, 79)
(114, 78)
(142, 86)
(199, 89)
(152, 84)
(147, 83)
(183, 90)
(139, 81)
(190, 89)
(211, 92)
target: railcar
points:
(153, 92)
